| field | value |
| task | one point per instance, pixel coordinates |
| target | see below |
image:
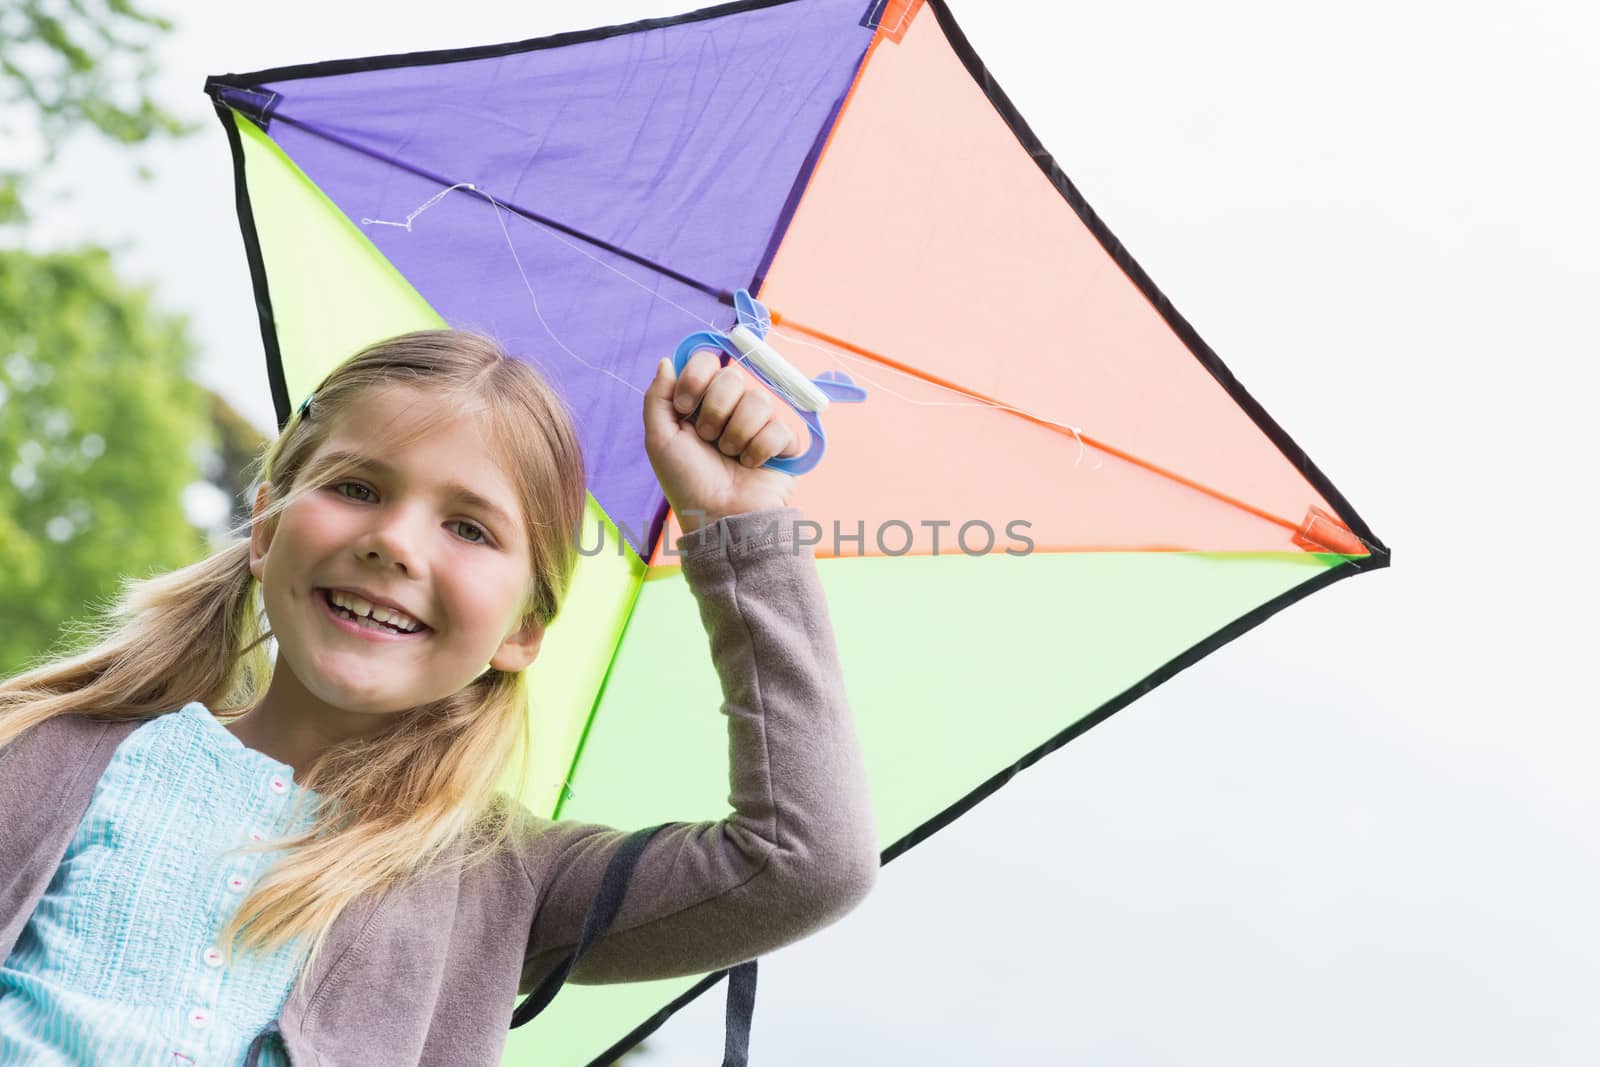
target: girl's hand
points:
(711, 467)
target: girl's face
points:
(433, 528)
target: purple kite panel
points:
(617, 185)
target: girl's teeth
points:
(368, 622)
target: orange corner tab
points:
(896, 17)
(1322, 532)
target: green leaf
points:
(100, 426)
(67, 66)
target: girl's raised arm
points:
(800, 848)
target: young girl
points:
(207, 858)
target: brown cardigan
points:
(424, 972)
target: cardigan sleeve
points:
(799, 849)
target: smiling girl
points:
(210, 857)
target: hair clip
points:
(305, 407)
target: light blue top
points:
(119, 963)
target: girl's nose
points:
(391, 542)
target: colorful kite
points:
(1054, 497)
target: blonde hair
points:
(391, 804)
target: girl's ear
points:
(520, 649)
(260, 531)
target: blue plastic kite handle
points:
(707, 340)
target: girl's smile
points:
(365, 624)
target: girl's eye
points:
(470, 532)
(481, 535)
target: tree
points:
(100, 428)
(100, 431)
(67, 65)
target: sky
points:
(1363, 832)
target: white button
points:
(278, 786)
(236, 883)
(212, 956)
(257, 835)
(199, 1018)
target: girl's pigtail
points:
(215, 634)
(194, 634)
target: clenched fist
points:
(710, 466)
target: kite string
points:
(584, 252)
(425, 205)
(502, 210)
(533, 297)
(973, 402)
(789, 338)
(500, 218)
